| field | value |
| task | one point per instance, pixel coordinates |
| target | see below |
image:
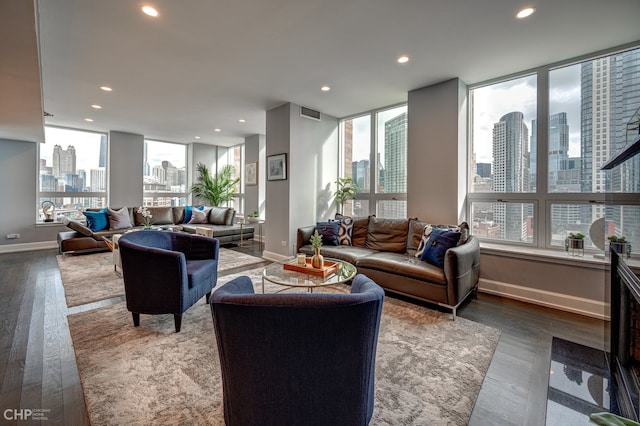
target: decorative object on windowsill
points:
(346, 190)
(574, 244)
(47, 210)
(596, 233)
(146, 217)
(317, 260)
(217, 190)
(620, 245)
(254, 217)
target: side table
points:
(244, 243)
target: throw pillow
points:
(439, 242)
(329, 232)
(426, 233)
(199, 216)
(345, 231)
(119, 219)
(97, 221)
(187, 214)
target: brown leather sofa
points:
(220, 220)
(384, 250)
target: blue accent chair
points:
(167, 272)
(297, 359)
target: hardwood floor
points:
(38, 369)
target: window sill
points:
(589, 260)
(48, 224)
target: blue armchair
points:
(297, 358)
(167, 272)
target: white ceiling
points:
(205, 64)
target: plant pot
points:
(574, 246)
(621, 248)
(252, 219)
(317, 261)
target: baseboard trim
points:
(274, 257)
(15, 248)
(564, 302)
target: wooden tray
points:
(328, 268)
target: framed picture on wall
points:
(251, 173)
(277, 167)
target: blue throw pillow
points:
(439, 242)
(187, 214)
(329, 232)
(97, 221)
(345, 231)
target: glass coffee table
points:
(275, 273)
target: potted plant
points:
(575, 243)
(317, 261)
(254, 216)
(217, 190)
(620, 245)
(346, 190)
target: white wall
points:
(126, 169)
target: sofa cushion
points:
(414, 234)
(345, 231)
(221, 215)
(387, 234)
(77, 226)
(439, 242)
(402, 265)
(119, 219)
(347, 253)
(329, 232)
(200, 271)
(199, 216)
(97, 221)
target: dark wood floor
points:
(38, 368)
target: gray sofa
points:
(219, 219)
(384, 250)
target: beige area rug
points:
(429, 369)
(90, 277)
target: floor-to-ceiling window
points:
(374, 155)
(234, 156)
(72, 172)
(534, 181)
(165, 174)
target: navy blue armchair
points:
(297, 358)
(167, 272)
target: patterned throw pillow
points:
(345, 231)
(97, 221)
(423, 241)
(119, 219)
(199, 216)
(329, 232)
(439, 242)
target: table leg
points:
(262, 285)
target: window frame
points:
(155, 194)
(541, 198)
(372, 197)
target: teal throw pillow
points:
(329, 232)
(187, 214)
(345, 231)
(439, 242)
(97, 221)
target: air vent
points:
(309, 113)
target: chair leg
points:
(207, 297)
(136, 319)
(177, 319)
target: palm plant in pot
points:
(217, 190)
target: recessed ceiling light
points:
(96, 106)
(242, 120)
(197, 137)
(150, 11)
(527, 11)
(89, 120)
(403, 59)
(217, 130)
(106, 88)
(325, 88)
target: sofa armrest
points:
(77, 226)
(304, 235)
(462, 269)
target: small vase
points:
(317, 261)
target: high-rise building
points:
(393, 176)
(558, 147)
(64, 160)
(102, 161)
(511, 174)
(98, 179)
(483, 170)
